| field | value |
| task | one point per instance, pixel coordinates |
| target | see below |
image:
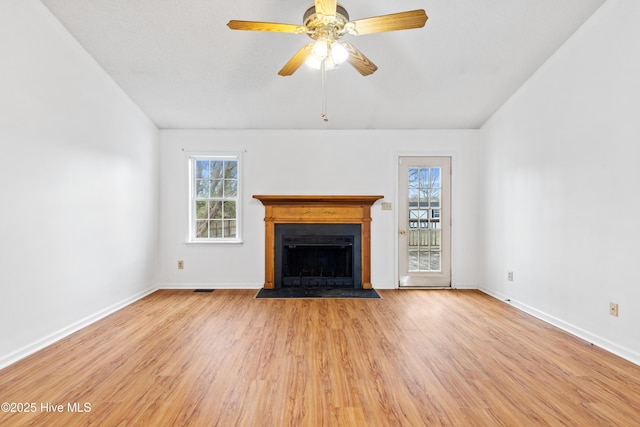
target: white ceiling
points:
(185, 68)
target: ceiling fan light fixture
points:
(339, 53)
(316, 64)
(320, 49)
(330, 64)
(313, 62)
(330, 52)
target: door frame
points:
(396, 221)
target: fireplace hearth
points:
(335, 256)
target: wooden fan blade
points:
(296, 60)
(358, 60)
(392, 22)
(326, 7)
(266, 26)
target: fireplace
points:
(331, 232)
(317, 255)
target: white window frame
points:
(192, 198)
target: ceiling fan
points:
(326, 22)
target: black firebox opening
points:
(325, 263)
(317, 255)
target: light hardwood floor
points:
(412, 358)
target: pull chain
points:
(323, 70)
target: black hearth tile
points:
(317, 293)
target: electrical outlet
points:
(510, 276)
(613, 309)
(180, 265)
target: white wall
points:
(561, 207)
(78, 185)
(308, 162)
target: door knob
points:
(403, 232)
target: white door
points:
(424, 210)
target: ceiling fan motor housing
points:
(331, 27)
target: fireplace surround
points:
(298, 213)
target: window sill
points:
(214, 242)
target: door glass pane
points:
(424, 260)
(424, 232)
(424, 198)
(413, 177)
(424, 177)
(434, 178)
(435, 261)
(434, 198)
(413, 260)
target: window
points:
(214, 208)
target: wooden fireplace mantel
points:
(317, 210)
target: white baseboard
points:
(464, 285)
(235, 286)
(210, 285)
(64, 332)
(384, 286)
(611, 347)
